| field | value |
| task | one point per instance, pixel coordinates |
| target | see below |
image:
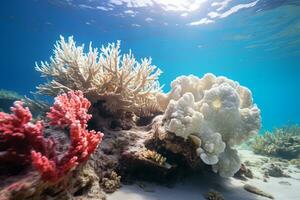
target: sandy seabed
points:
(196, 187)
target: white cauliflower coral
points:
(217, 110)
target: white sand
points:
(195, 188)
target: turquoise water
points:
(256, 43)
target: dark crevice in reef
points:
(102, 118)
(144, 121)
(84, 190)
(14, 169)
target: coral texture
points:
(217, 110)
(24, 142)
(19, 136)
(69, 110)
(119, 80)
(282, 142)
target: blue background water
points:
(258, 46)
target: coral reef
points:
(69, 110)
(218, 111)
(196, 125)
(282, 142)
(23, 143)
(122, 83)
(18, 137)
(83, 183)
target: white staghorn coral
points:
(217, 110)
(119, 80)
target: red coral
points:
(69, 108)
(21, 139)
(83, 144)
(18, 136)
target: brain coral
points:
(217, 110)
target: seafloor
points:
(195, 187)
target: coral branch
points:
(23, 143)
(100, 74)
(18, 136)
(69, 108)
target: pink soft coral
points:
(19, 138)
(83, 143)
(69, 108)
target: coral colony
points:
(201, 120)
(119, 80)
(214, 110)
(24, 143)
(281, 142)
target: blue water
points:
(258, 45)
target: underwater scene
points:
(150, 99)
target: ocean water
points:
(256, 43)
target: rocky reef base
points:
(144, 152)
(135, 150)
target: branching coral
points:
(68, 108)
(23, 140)
(18, 136)
(119, 80)
(282, 142)
(217, 110)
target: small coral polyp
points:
(217, 110)
(122, 83)
(23, 142)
